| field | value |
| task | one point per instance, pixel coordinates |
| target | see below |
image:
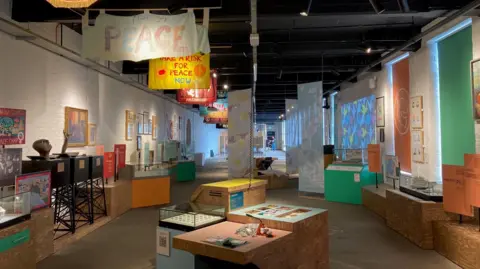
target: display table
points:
(459, 243)
(308, 246)
(412, 217)
(344, 182)
(262, 251)
(17, 249)
(185, 171)
(232, 194)
(376, 199)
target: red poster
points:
(120, 152)
(455, 190)
(108, 164)
(13, 126)
(401, 107)
(203, 97)
(374, 158)
(99, 150)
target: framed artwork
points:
(475, 70)
(129, 124)
(10, 165)
(139, 142)
(416, 112)
(150, 126)
(380, 111)
(92, 134)
(154, 127)
(392, 167)
(40, 186)
(140, 124)
(76, 124)
(12, 126)
(417, 146)
(146, 123)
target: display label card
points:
(98, 161)
(356, 177)
(455, 196)
(163, 242)
(236, 200)
(81, 164)
(61, 167)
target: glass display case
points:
(421, 188)
(351, 156)
(140, 170)
(14, 209)
(190, 216)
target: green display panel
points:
(456, 116)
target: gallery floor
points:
(358, 238)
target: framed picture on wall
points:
(139, 142)
(129, 124)
(418, 151)
(154, 127)
(146, 123)
(92, 134)
(140, 124)
(475, 73)
(416, 112)
(76, 124)
(380, 112)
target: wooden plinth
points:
(275, 179)
(413, 217)
(376, 199)
(42, 233)
(119, 197)
(21, 256)
(308, 246)
(460, 243)
(220, 193)
(150, 192)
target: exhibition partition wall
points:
(292, 136)
(310, 157)
(456, 116)
(240, 155)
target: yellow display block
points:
(234, 183)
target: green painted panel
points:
(14, 240)
(456, 120)
(185, 171)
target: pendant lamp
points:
(71, 3)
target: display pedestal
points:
(17, 249)
(413, 218)
(232, 194)
(376, 199)
(460, 243)
(42, 233)
(344, 182)
(150, 191)
(119, 197)
(275, 179)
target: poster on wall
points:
(10, 165)
(120, 152)
(416, 112)
(92, 134)
(401, 112)
(417, 146)
(40, 186)
(358, 123)
(380, 112)
(455, 190)
(189, 72)
(76, 125)
(143, 37)
(140, 124)
(154, 127)
(12, 126)
(475, 70)
(204, 97)
(129, 124)
(109, 164)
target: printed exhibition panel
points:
(358, 123)
(310, 155)
(292, 136)
(240, 154)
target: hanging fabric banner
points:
(203, 97)
(215, 117)
(71, 3)
(191, 72)
(401, 108)
(219, 105)
(144, 37)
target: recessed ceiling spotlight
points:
(304, 13)
(214, 75)
(225, 86)
(368, 50)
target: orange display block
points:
(150, 192)
(374, 158)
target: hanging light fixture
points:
(71, 3)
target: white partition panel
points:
(292, 136)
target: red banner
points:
(12, 126)
(374, 158)
(401, 107)
(215, 120)
(108, 164)
(202, 97)
(120, 152)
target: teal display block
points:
(344, 182)
(185, 171)
(15, 240)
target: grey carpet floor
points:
(358, 238)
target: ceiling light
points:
(368, 50)
(214, 75)
(293, 107)
(304, 13)
(225, 86)
(288, 110)
(282, 115)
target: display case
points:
(14, 209)
(190, 216)
(421, 188)
(351, 156)
(139, 170)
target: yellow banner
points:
(190, 72)
(71, 3)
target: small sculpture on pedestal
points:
(43, 147)
(65, 141)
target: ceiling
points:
(329, 45)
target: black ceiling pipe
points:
(379, 9)
(403, 5)
(410, 42)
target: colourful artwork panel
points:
(12, 126)
(358, 123)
